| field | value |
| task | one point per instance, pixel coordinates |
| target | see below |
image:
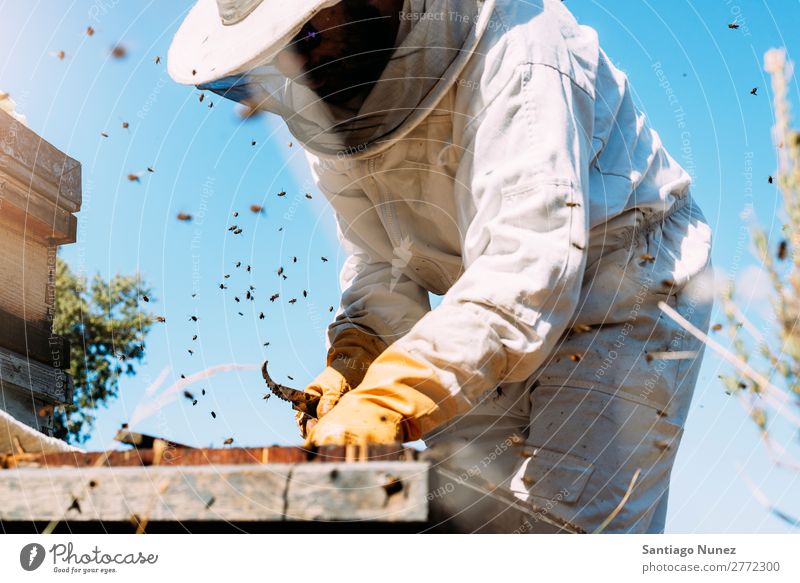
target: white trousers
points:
(589, 441)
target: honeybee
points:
(119, 51)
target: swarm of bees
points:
(118, 51)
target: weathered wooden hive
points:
(40, 190)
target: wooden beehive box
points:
(40, 190)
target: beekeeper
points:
(487, 151)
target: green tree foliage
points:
(106, 328)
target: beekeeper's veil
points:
(435, 40)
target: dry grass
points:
(766, 362)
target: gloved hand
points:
(348, 359)
(399, 399)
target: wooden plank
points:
(25, 409)
(35, 339)
(39, 165)
(41, 381)
(382, 491)
(199, 456)
(248, 493)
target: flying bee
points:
(256, 208)
(188, 395)
(160, 319)
(119, 51)
(646, 258)
(184, 217)
(274, 297)
(324, 259)
(309, 196)
(228, 441)
(282, 193)
(293, 301)
(213, 415)
(783, 249)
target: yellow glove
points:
(400, 399)
(349, 357)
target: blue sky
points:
(205, 165)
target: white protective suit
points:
(506, 167)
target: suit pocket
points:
(556, 476)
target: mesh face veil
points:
(327, 106)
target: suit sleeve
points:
(523, 184)
(376, 296)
